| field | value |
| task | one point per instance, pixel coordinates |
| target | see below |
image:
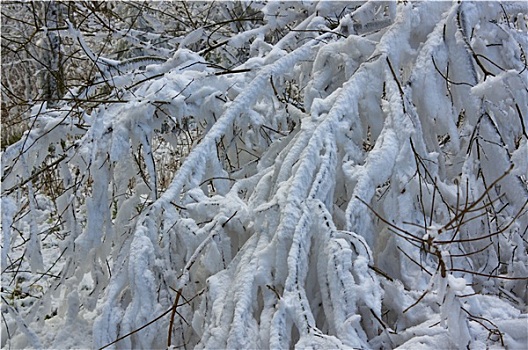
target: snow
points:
(336, 175)
(8, 212)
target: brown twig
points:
(137, 330)
(173, 313)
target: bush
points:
(325, 175)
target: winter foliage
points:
(323, 175)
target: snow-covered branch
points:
(283, 174)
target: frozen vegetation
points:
(285, 174)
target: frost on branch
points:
(357, 180)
